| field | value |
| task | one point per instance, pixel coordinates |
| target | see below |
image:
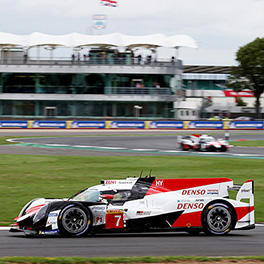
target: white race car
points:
(143, 204)
(202, 143)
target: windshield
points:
(207, 139)
(87, 196)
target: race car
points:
(202, 143)
(143, 204)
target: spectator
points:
(73, 57)
(25, 57)
(139, 58)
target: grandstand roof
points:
(207, 69)
(74, 40)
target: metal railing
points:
(138, 90)
(86, 61)
(71, 89)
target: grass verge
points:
(25, 177)
(248, 143)
(176, 259)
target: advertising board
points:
(165, 124)
(13, 124)
(47, 124)
(246, 125)
(125, 124)
(86, 124)
(204, 125)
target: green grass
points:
(249, 143)
(169, 259)
(24, 177)
(4, 142)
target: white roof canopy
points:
(74, 40)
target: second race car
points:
(202, 143)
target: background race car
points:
(202, 143)
(143, 204)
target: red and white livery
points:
(202, 143)
(144, 204)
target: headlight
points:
(40, 214)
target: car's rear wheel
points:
(218, 219)
(223, 149)
(74, 220)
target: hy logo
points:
(159, 183)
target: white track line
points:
(57, 145)
(111, 148)
(4, 228)
(145, 149)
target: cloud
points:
(220, 27)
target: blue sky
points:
(219, 27)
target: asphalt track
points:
(121, 143)
(237, 243)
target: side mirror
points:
(107, 196)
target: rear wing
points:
(246, 194)
(245, 191)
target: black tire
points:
(74, 220)
(218, 219)
(223, 149)
(211, 149)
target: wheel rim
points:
(219, 219)
(74, 220)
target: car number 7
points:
(118, 217)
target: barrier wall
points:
(182, 125)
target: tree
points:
(249, 74)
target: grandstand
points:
(96, 78)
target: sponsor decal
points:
(199, 200)
(215, 191)
(99, 220)
(245, 190)
(125, 182)
(143, 212)
(53, 214)
(159, 182)
(109, 182)
(114, 211)
(98, 208)
(193, 192)
(185, 206)
(49, 232)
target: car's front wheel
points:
(74, 220)
(218, 219)
(184, 147)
